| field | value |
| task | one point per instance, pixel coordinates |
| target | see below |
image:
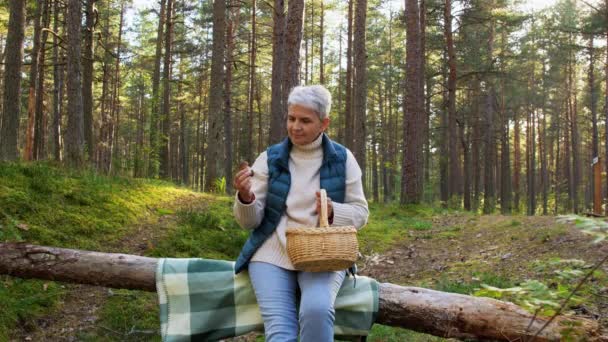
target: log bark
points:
(423, 310)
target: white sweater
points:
(304, 164)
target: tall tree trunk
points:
(374, 151)
(413, 110)
(250, 96)
(75, 132)
(489, 197)
(321, 45)
(153, 164)
(9, 134)
(278, 122)
(28, 152)
(593, 101)
(605, 106)
(516, 160)
(139, 158)
(426, 150)
(165, 120)
(466, 143)
(568, 174)
(233, 23)
(576, 163)
(543, 146)
(558, 163)
(360, 84)
(349, 119)
(444, 134)
(87, 77)
(57, 88)
(40, 129)
(293, 41)
(453, 174)
(183, 134)
(505, 164)
(340, 118)
(214, 138)
(116, 105)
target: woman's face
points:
(304, 124)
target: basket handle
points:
(323, 220)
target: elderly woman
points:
(281, 190)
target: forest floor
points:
(414, 246)
(457, 254)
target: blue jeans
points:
(275, 289)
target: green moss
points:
(381, 333)
(47, 205)
(127, 316)
(23, 301)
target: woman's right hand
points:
(242, 183)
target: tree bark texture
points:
(293, 41)
(216, 92)
(349, 119)
(28, 152)
(57, 89)
(87, 76)
(453, 173)
(12, 81)
(360, 85)
(437, 313)
(231, 30)
(165, 121)
(277, 121)
(413, 110)
(75, 132)
(40, 118)
(154, 111)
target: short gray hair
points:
(315, 97)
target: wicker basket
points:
(322, 249)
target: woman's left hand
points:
(330, 208)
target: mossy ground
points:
(415, 245)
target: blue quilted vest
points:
(333, 180)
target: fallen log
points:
(433, 312)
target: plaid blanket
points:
(202, 299)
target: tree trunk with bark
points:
(28, 152)
(165, 120)
(231, 30)
(40, 118)
(454, 169)
(75, 132)
(87, 76)
(57, 89)
(216, 94)
(249, 146)
(349, 119)
(116, 104)
(606, 106)
(433, 312)
(9, 134)
(293, 41)
(153, 164)
(360, 85)
(413, 110)
(489, 196)
(277, 120)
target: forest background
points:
(481, 105)
(452, 109)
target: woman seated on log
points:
(281, 190)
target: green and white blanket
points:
(202, 299)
